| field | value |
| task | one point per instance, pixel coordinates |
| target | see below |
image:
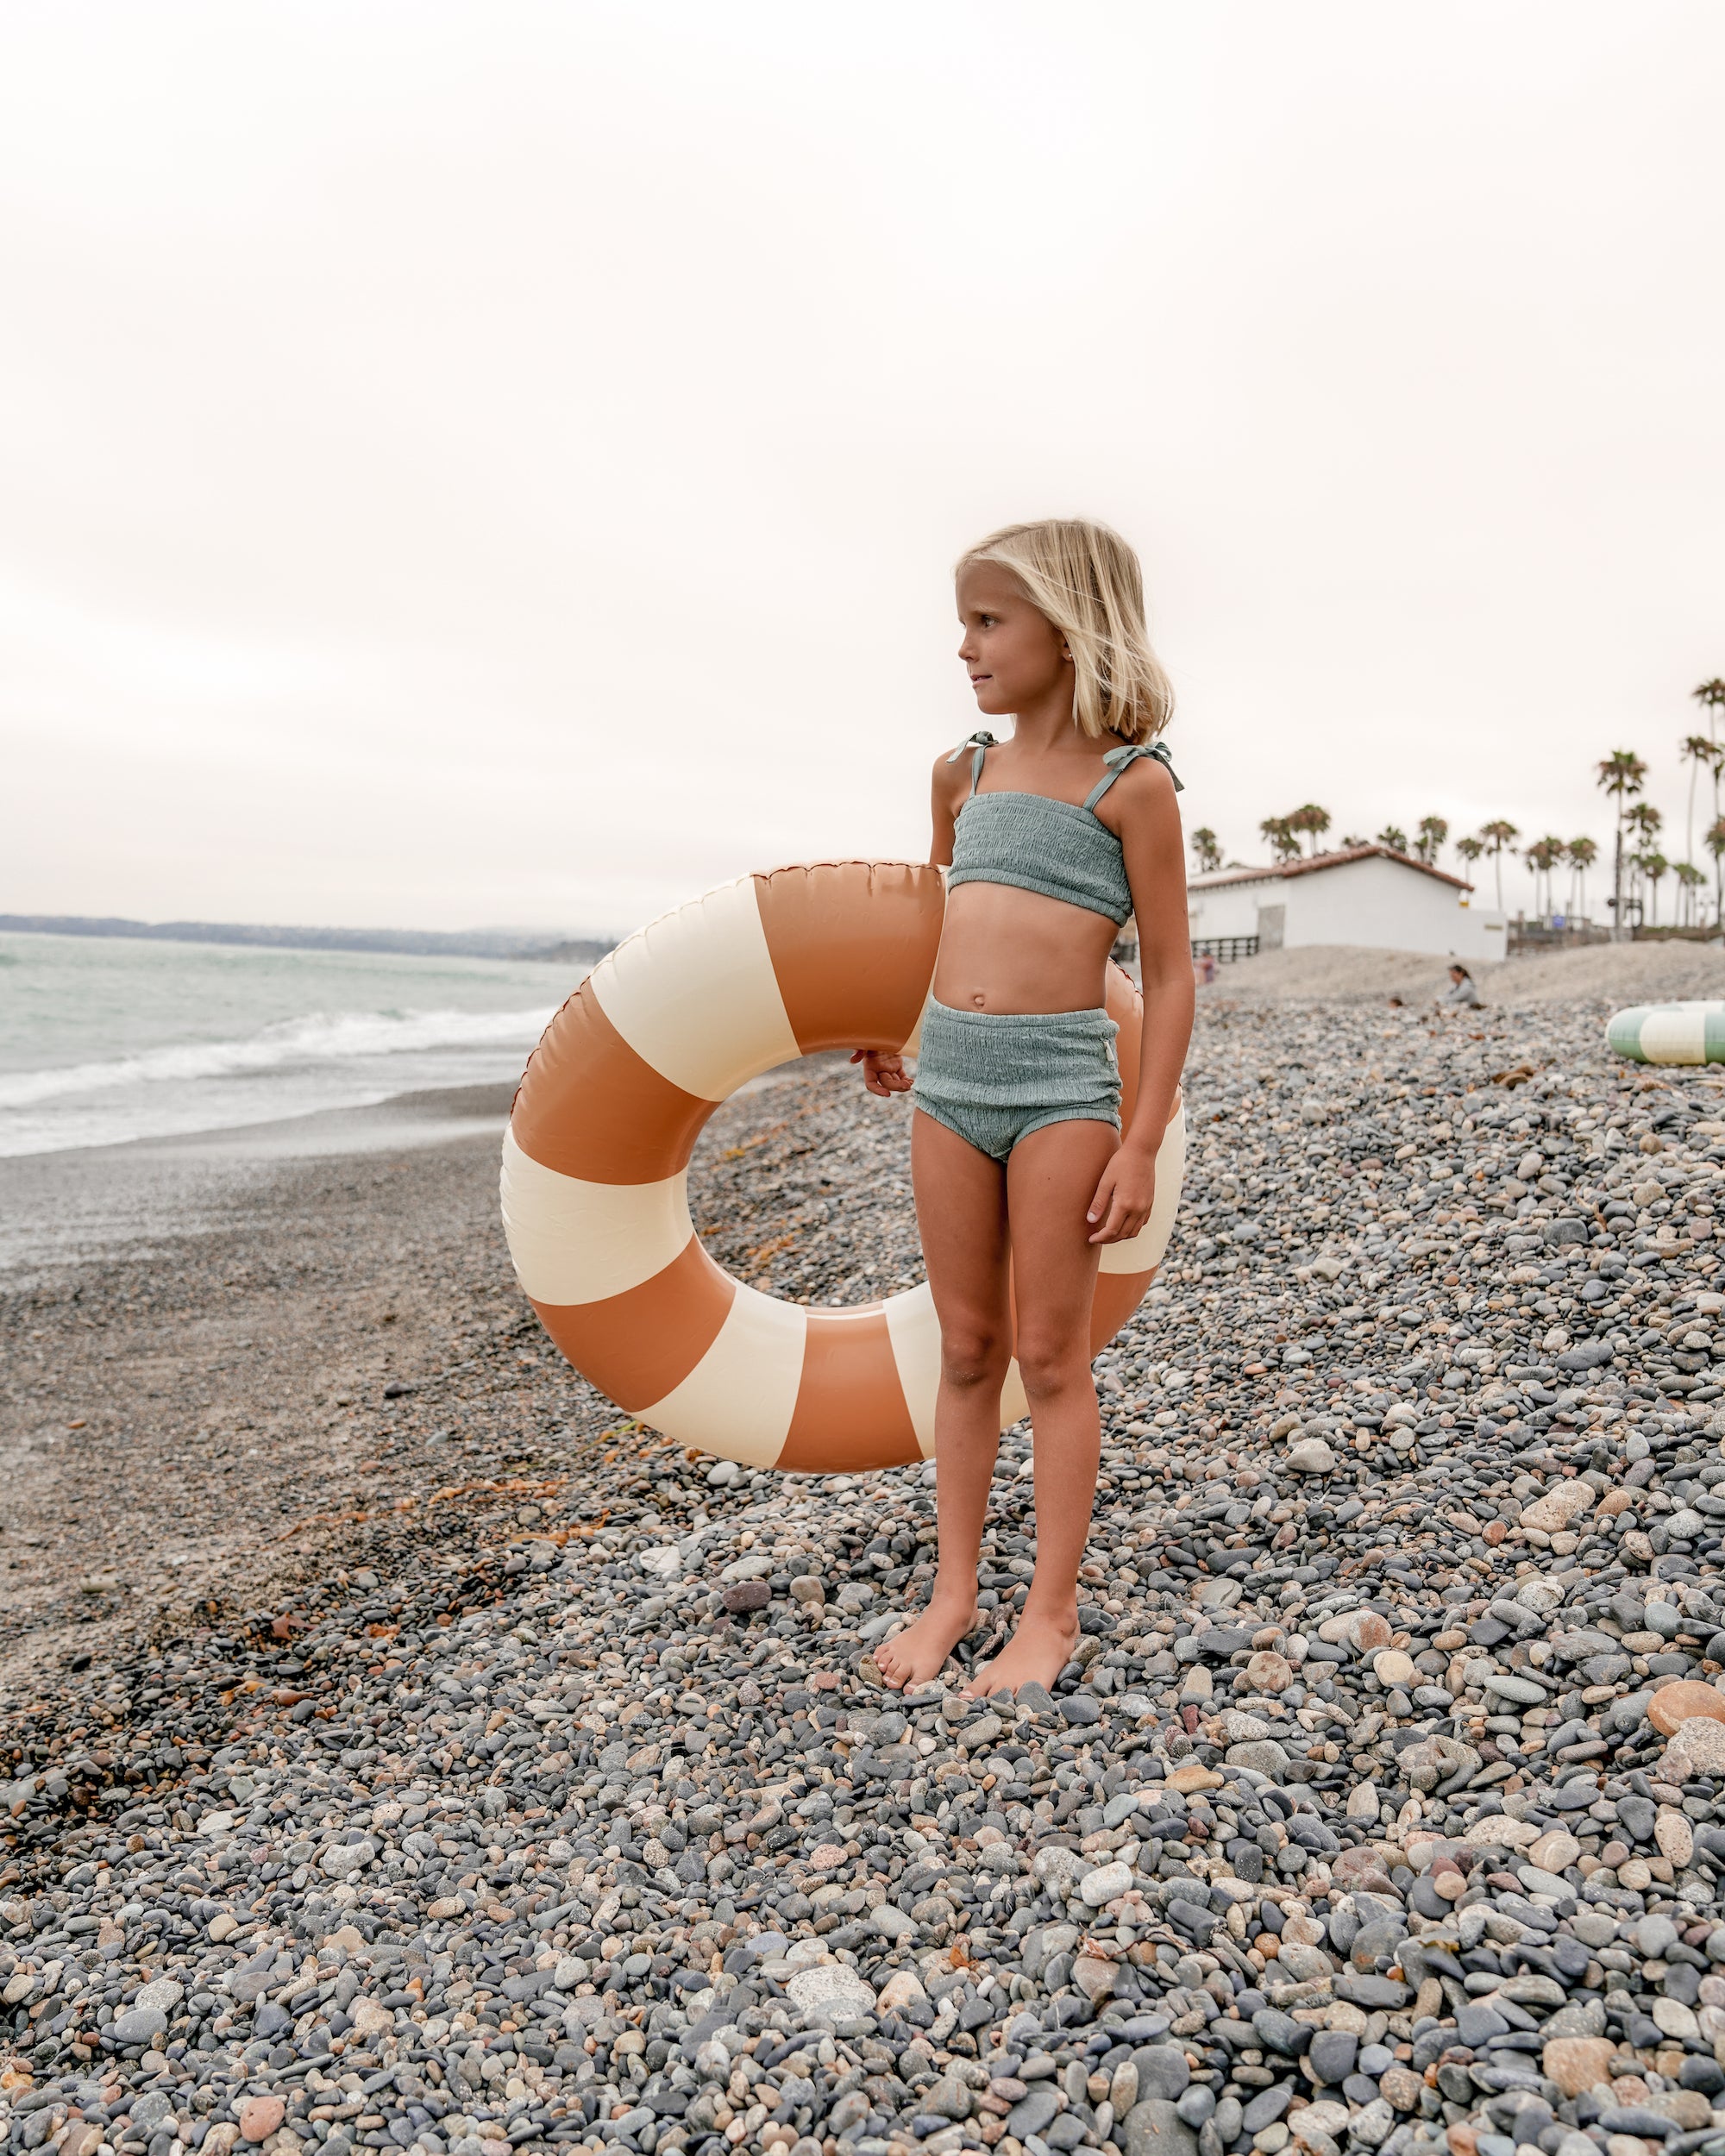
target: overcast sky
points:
(499, 463)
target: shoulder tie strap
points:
(1117, 760)
(981, 743)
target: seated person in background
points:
(1463, 991)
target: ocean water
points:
(103, 1039)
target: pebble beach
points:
(402, 1749)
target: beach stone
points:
(1674, 2019)
(1400, 2088)
(1393, 1667)
(1560, 1506)
(1305, 1965)
(260, 2116)
(1106, 1883)
(1312, 1456)
(1520, 1690)
(1553, 1851)
(1577, 2063)
(831, 1989)
(1162, 2071)
(1332, 2054)
(140, 2025)
(948, 2099)
(1687, 2108)
(1034, 2113)
(1696, 1748)
(1094, 1976)
(344, 1860)
(1154, 2128)
(1675, 1836)
(1686, 1700)
(1319, 2127)
(1499, 1831)
(1372, 2126)
(901, 1989)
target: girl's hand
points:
(883, 1071)
(1124, 1197)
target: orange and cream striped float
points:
(832, 955)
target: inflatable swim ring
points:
(1669, 1032)
(832, 955)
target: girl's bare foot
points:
(1036, 1654)
(918, 1653)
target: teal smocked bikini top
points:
(1038, 843)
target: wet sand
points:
(201, 1334)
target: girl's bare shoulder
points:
(1143, 790)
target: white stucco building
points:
(1365, 894)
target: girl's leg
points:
(961, 1197)
(1050, 1180)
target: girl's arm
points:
(1156, 873)
(884, 1073)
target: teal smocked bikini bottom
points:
(994, 1077)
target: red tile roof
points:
(1306, 868)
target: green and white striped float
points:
(1669, 1032)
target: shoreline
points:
(78, 1203)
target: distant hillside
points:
(477, 943)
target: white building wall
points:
(1230, 909)
(1376, 903)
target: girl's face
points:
(1013, 655)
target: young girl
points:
(1053, 836)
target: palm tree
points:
(1694, 749)
(1310, 819)
(1714, 839)
(1583, 852)
(1281, 839)
(1534, 854)
(1395, 840)
(1433, 832)
(1644, 820)
(1710, 695)
(1620, 774)
(1653, 865)
(1542, 857)
(1498, 836)
(1468, 851)
(1690, 880)
(1206, 851)
(1348, 844)
(1556, 854)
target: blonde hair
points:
(1086, 580)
